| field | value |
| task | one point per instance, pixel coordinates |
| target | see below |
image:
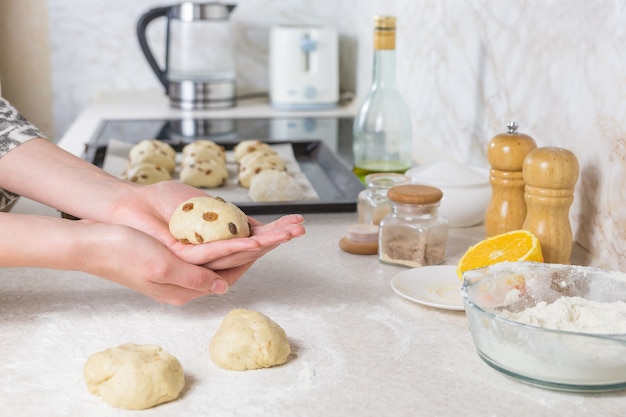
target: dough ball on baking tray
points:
(273, 185)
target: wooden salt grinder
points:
(550, 174)
(507, 209)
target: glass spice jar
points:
(414, 234)
(372, 203)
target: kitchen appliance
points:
(303, 67)
(322, 147)
(199, 66)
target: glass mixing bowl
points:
(593, 359)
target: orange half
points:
(514, 246)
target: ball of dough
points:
(204, 174)
(202, 154)
(273, 185)
(145, 173)
(204, 144)
(134, 377)
(154, 152)
(262, 156)
(206, 219)
(249, 146)
(247, 339)
(247, 172)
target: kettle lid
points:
(189, 11)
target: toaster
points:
(303, 67)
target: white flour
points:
(574, 314)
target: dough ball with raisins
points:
(153, 151)
(145, 173)
(204, 174)
(206, 219)
(248, 146)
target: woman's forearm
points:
(42, 171)
(42, 241)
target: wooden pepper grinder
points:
(550, 174)
(507, 209)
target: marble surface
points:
(358, 348)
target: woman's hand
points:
(142, 263)
(149, 208)
(118, 253)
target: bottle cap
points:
(384, 32)
(384, 22)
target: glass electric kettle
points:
(199, 67)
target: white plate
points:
(435, 286)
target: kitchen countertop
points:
(359, 349)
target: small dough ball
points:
(155, 144)
(247, 339)
(249, 146)
(134, 377)
(205, 174)
(247, 172)
(206, 219)
(145, 173)
(204, 144)
(154, 152)
(202, 154)
(273, 185)
(262, 156)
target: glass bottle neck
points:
(384, 68)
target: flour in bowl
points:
(574, 314)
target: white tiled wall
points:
(466, 67)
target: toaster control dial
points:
(310, 92)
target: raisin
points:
(208, 172)
(232, 227)
(257, 170)
(185, 241)
(220, 199)
(210, 216)
(188, 207)
(199, 237)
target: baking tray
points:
(330, 176)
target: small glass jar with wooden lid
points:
(413, 234)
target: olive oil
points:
(381, 135)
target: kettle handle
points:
(142, 25)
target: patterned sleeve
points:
(14, 130)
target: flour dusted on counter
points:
(574, 314)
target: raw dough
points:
(155, 152)
(204, 144)
(145, 173)
(204, 174)
(134, 377)
(247, 339)
(202, 154)
(273, 185)
(249, 146)
(206, 219)
(247, 172)
(262, 157)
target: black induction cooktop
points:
(322, 147)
